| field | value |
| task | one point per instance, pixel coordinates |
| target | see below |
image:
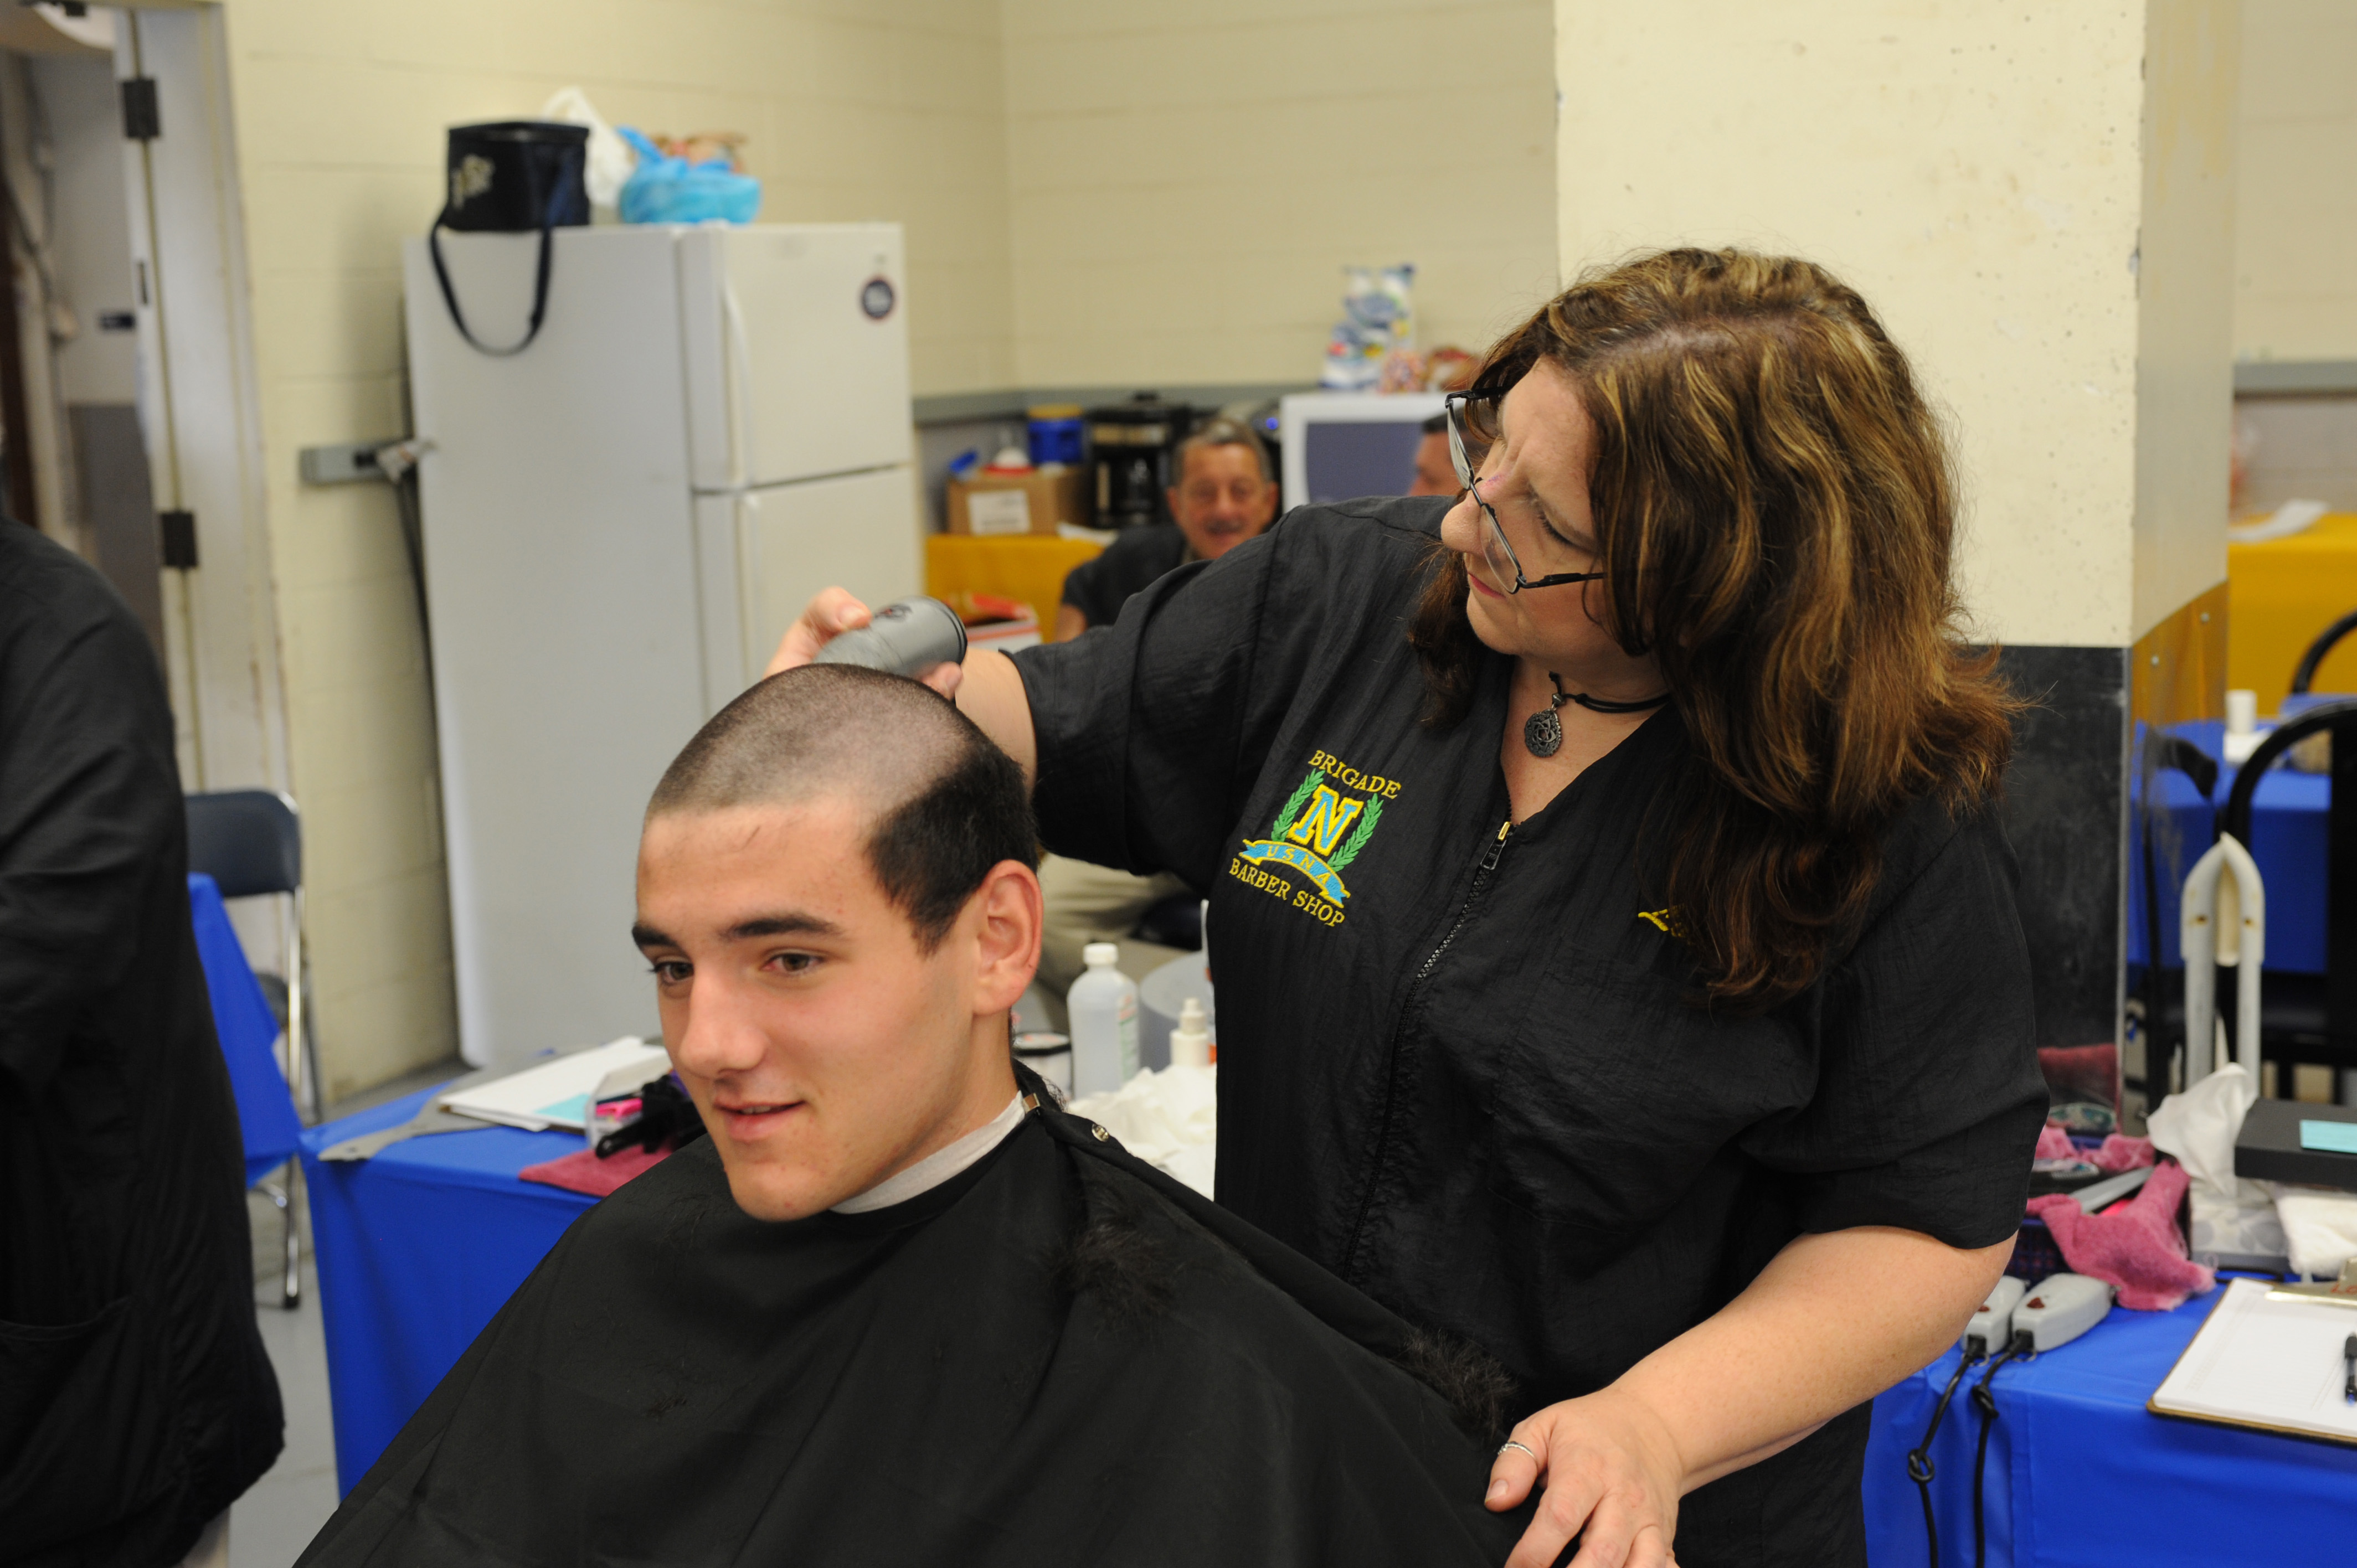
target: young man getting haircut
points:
(897, 1307)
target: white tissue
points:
(1169, 1118)
(2319, 1228)
(2200, 1126)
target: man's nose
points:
(722, 1034)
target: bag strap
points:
(539, 287)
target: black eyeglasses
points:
(1494, 548)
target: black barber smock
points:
(136, 1400)
(1458, 1065)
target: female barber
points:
(1618, 959)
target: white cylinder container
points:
(1102, 1011)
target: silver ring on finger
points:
(1510, 1443)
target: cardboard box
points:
(993, 505)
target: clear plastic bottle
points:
(1102, 1006)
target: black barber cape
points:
(1459, 1063)
(1058, 1355)
(135, 1401)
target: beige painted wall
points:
(1980, 174)
(863, 108)
(2296, 208)
(1187, 182)
(1093, 192)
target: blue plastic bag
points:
(665, 189)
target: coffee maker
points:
(1130, 445)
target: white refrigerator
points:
(620, 522)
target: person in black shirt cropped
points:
(1617, 949)
(1222, 497)
(136, 1401)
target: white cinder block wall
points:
(2296, 208)
(1186, 182)
(1096, 191)
(863, 109)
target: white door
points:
(199, 404)
(797, 341)
(858, 530)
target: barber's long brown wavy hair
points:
(1776, 522)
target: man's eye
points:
(795, 962)
(672, 972)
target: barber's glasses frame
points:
(1494, 548)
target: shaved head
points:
(943, 803)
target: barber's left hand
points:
(1613, 1474)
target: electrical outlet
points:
(345, 464)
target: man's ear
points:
(1006, 937)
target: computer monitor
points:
(1340, 445)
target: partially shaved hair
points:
(945, 804)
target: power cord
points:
(398, 463)
(1919, 1463)
(1985, 1403)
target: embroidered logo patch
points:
(1672, 921)
(1317, 832)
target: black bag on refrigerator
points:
(513, 176)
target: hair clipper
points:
(907, 637)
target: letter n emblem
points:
(1328, 818)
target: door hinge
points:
(141, 123)
(180, 530)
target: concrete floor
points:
(270, 1526)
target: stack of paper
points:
(2269, 1362)
(556, 1093)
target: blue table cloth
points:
(248, 1031)
(417, 1248)
(2082, 1475)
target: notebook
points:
(2271, 1363)
(556, 1093)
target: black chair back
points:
(249, 841)
(2305, 673)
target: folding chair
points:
(249, 841)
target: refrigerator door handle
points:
(748, 517)
(737, 352)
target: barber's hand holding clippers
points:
(834, 613)
(1613, 1474)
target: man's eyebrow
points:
(648, 937)
(792, 923)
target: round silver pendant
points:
(1542, 733)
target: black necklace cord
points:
(1985, 1403)
(1919, 1463)
(1600, 704)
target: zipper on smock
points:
(1481, 870)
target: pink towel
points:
(2124, 1154)
(2134, 1244)
(2054, 1143)
(584, 1172)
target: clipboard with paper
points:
(2271, 1358)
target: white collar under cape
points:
(939, 1165)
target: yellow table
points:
(2280, 595)
(1025, 567)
